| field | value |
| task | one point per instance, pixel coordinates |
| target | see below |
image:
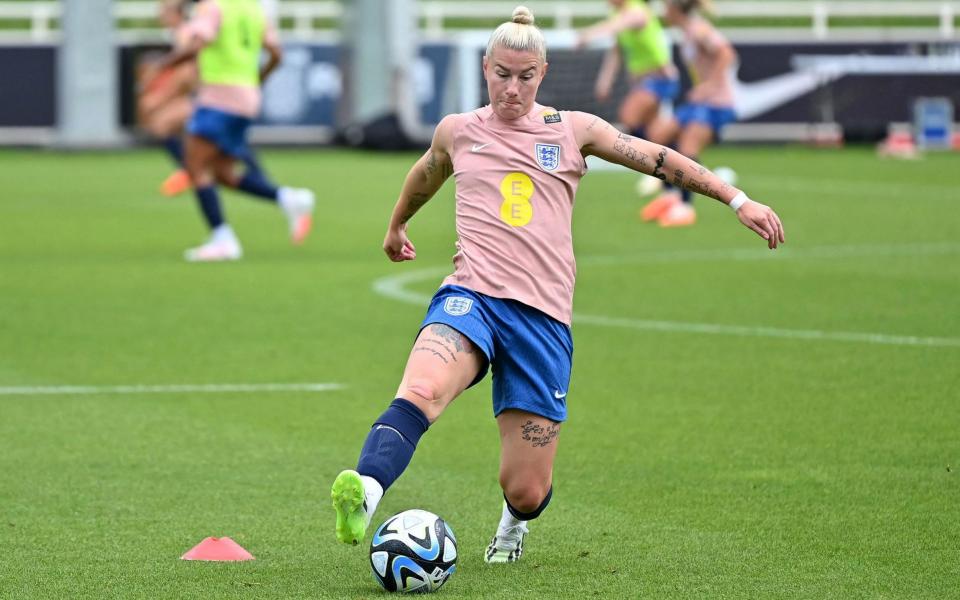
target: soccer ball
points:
(648, 186)
(414, 551)
(726, 174)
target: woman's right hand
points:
(397, 246)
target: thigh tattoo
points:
(538, 435)
(447, 343)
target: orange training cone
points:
(217, 549)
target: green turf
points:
(694, 465)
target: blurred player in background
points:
(227, 37)
(643, 48)
(508, 304)
(711, 61)
(165, 104)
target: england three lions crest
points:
(548, 156)
(457, 306)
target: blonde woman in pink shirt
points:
(507, 305)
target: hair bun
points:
(522, 15)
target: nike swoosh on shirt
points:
(479, 147)
(558, 395)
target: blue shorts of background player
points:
(664, 88)
(226, 131)
(530, 353)
(716, 117)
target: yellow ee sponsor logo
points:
(516, 189)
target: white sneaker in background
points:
(222, 245)
(297, 204)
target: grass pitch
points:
(743, 424)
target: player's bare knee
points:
(228, 179)
(630, 120)
(525, 497)
(426, 396)
(688, 149)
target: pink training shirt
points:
(240, 100)
(516, 182)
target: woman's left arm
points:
(597, 137)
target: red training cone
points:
(217, 549)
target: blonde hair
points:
(519, 33)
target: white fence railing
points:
(38, 20)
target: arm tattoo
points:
(678, 178)
(538, 435)
(657, 172)
(593, 123)
(417, 200)
(700, 187)
(622, 145)
(431, 167)
(461, 343)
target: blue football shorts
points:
(227, 131)
(529, 352)
(664, 88)
(716, 117)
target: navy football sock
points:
(209, 201)
(255, 185)
(391, 442)
(174, 147)
(252, 165)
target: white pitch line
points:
(783, 253)
(394, 287)
(215, 388)
(772, 332)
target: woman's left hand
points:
(762, 219)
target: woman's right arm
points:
(422, 182)
(631, 19)
(607, 75)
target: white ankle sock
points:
(223, 233)
(283, 198)
(507, 520)
(373, 492)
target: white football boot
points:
(297, 204)
(222, 245)
(507, 544)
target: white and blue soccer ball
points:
(648, 186)
(726, 174)
(414, 551)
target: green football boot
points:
(350, 503)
